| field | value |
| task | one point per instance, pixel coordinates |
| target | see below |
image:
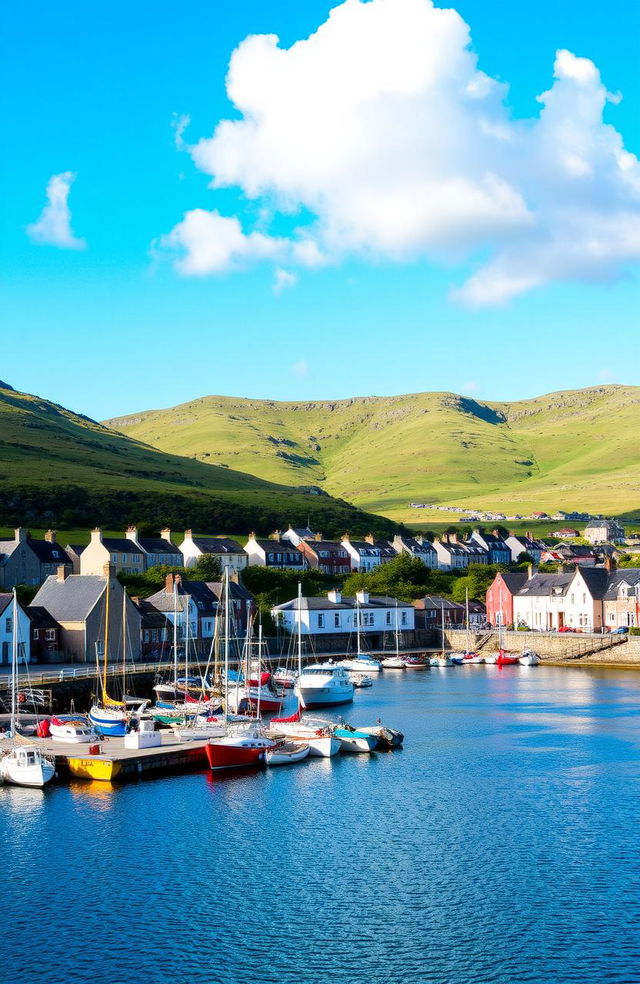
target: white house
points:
(337, 615)
(451, 554)
(416, 547)
(278, 554)
(296, 536)
(189, 605)
(584, 600)
(604, 531)
(574, 600)
(365, 556)
(228, 552)
(7, 629)
(525, 544)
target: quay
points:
(115, 762)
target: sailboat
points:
(22, 765)
(469, 656)
(442, 659)
(396, 662)
(254, 691)
(109, 716)
(502, 658)
(243, 744)
(363, 661)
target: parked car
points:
(566, 628)
(621, 630)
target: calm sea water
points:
(501, 845)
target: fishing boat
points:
(109, 716)
(22, 765)
(529, 658)
(354, 740)
(287, 752)
(72, 728)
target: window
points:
(612, 616)
(36, 635)
(114, 558)
(321, 621)
(50, 635)
(403, 618)
(584, 598)
(9, 625)
(573, 599)
(388, 618)
(336, 620)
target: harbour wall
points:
(584, 647)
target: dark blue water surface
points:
(501, 845)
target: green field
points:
(61, 469)
(574, 450)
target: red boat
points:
(507, 659)
(237, 751)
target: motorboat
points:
(241, 746)
(362, 664)
(416, 662)
(352, 740)
(72, 728)
(473, 658)
(361, 679)
(457, 659)
(316, 733)
(386, 738)
(529, 658)
(26, 766)
(324, 685)
(287, 752)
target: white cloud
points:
(470, 387)
(381, 127)
(300, 368)
(207, 242)
(53, 228)
(179, 124)
(283, 279)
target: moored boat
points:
(393, 663)
(416, 662)
(529, 658)
(361, 680)
(287, 752)
(362, 664)
(72, 728)
(385, 737)
(26, 766)
(324, 685)
(240, 747)
(354, 740)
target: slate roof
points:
(156, 545)
(204, 598)
(76, 547)
(73, 599)
(121, 545)
(437, 603)
(279, 546)
(345, 604)
(364, 548)
(49, 553)
(332, 546)
(546, 584)
(414, 546)
(237, 592)
(515, 581)
(217, 545)
(628, 575)
(596, 579)
(8, 546)
(152, 618)
(5, 601)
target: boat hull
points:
(280, 756)
(229, 753)
(108, 724)
(103, 770)
(316, 698)
(355, 742)
(31, 776)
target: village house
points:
(451, 554)
(277, 554)
(524, 543)
(327, 556)
(365, 556)
(46, 636)
(241, 602)
(74, 552)
(604, 531)
(384, 548)
(157, 550)
(432, 610)
(25, 560)
(191, 607)
(475, 553)
(418, 547)
(622, 599)
(329, 623)
(124, 555)
(566, 533)
(295, 536)
(540, 602)
(78, 603)
(7, 629)
(228, 552)
(570, 553)
(499, 600)
(584, 599)
(499, 552)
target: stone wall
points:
(551, 645)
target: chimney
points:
(233, 577)
(346, 538)
(21, 535)
(251, 536)
(318, 537)
(132, 533)
(96, 535)
(363, 597)
(50, 536)
(369, 538)
(62, 572)
(276, 535)
(334, 596)
(188, 535)
(453, 538)
(531, 570)
(107, 571)
(170, 580)
(166, 534)
(610, 563)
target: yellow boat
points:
(93, 768)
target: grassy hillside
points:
(57, 467)
(569, 450)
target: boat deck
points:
(117, 762)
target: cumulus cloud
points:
(53, 228)
(207, 242)
(283, 279)
(381, 127)
(179, 124)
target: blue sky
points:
(118, 326)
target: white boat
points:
(362, 664)
(26, 767)
(22, 765)
(284, 677)
(361, 679)
(441, 661)
(529, 658)
(324, 685)
(393, 663)
(457, 659)
(72, 728)
(352, 740)
(317, 734)
(287, 752)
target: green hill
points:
(570, 450)
(58, 467)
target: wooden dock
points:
(115, 762)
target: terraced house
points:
(25, 560)
(622, 599)
(126, 556)
(277, 554)
(228, 552)
(327, 556)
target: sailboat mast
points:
(186, 645)
(299, 627)
(397, 633)
(105, 655)
(14, 661)
(226, 641)
(259, 665)
(124, 641)
(358, 624)
(175, 634)
(466, 605)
